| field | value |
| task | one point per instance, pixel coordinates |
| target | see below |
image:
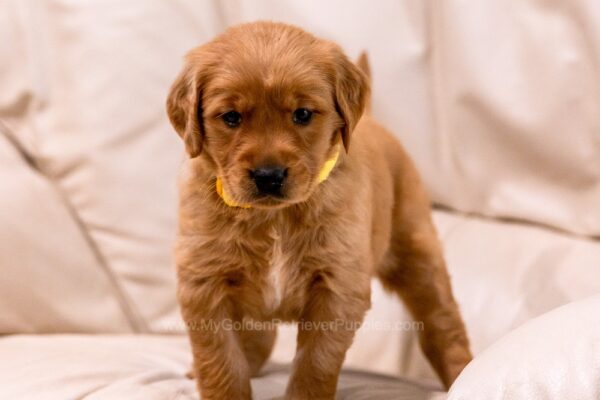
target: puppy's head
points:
(267, 104)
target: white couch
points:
(497, 101)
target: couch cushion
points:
(149, 368)
(504, 274)
(46, 256)
(553, 357)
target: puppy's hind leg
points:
(415, 269)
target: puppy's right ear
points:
(184, 108)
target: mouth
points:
(269, 200)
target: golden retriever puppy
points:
(290, 202)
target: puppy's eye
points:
(302, 116)
(232, 118)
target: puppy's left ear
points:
(185, 110)
(352, 91)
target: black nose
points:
(269, 180)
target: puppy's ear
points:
(184, 108)
(352, 91)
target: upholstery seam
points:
(135, 321)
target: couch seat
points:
(148, 367)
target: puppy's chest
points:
(282, 284)
(276, 277)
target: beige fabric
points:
(41, 272)
(553, 357)
(147, 368)
(506, 273)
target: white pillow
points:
(554, 356)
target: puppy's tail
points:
(363, 64)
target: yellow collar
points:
(323, 175)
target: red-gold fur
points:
(321, 242)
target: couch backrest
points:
(88, 204)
